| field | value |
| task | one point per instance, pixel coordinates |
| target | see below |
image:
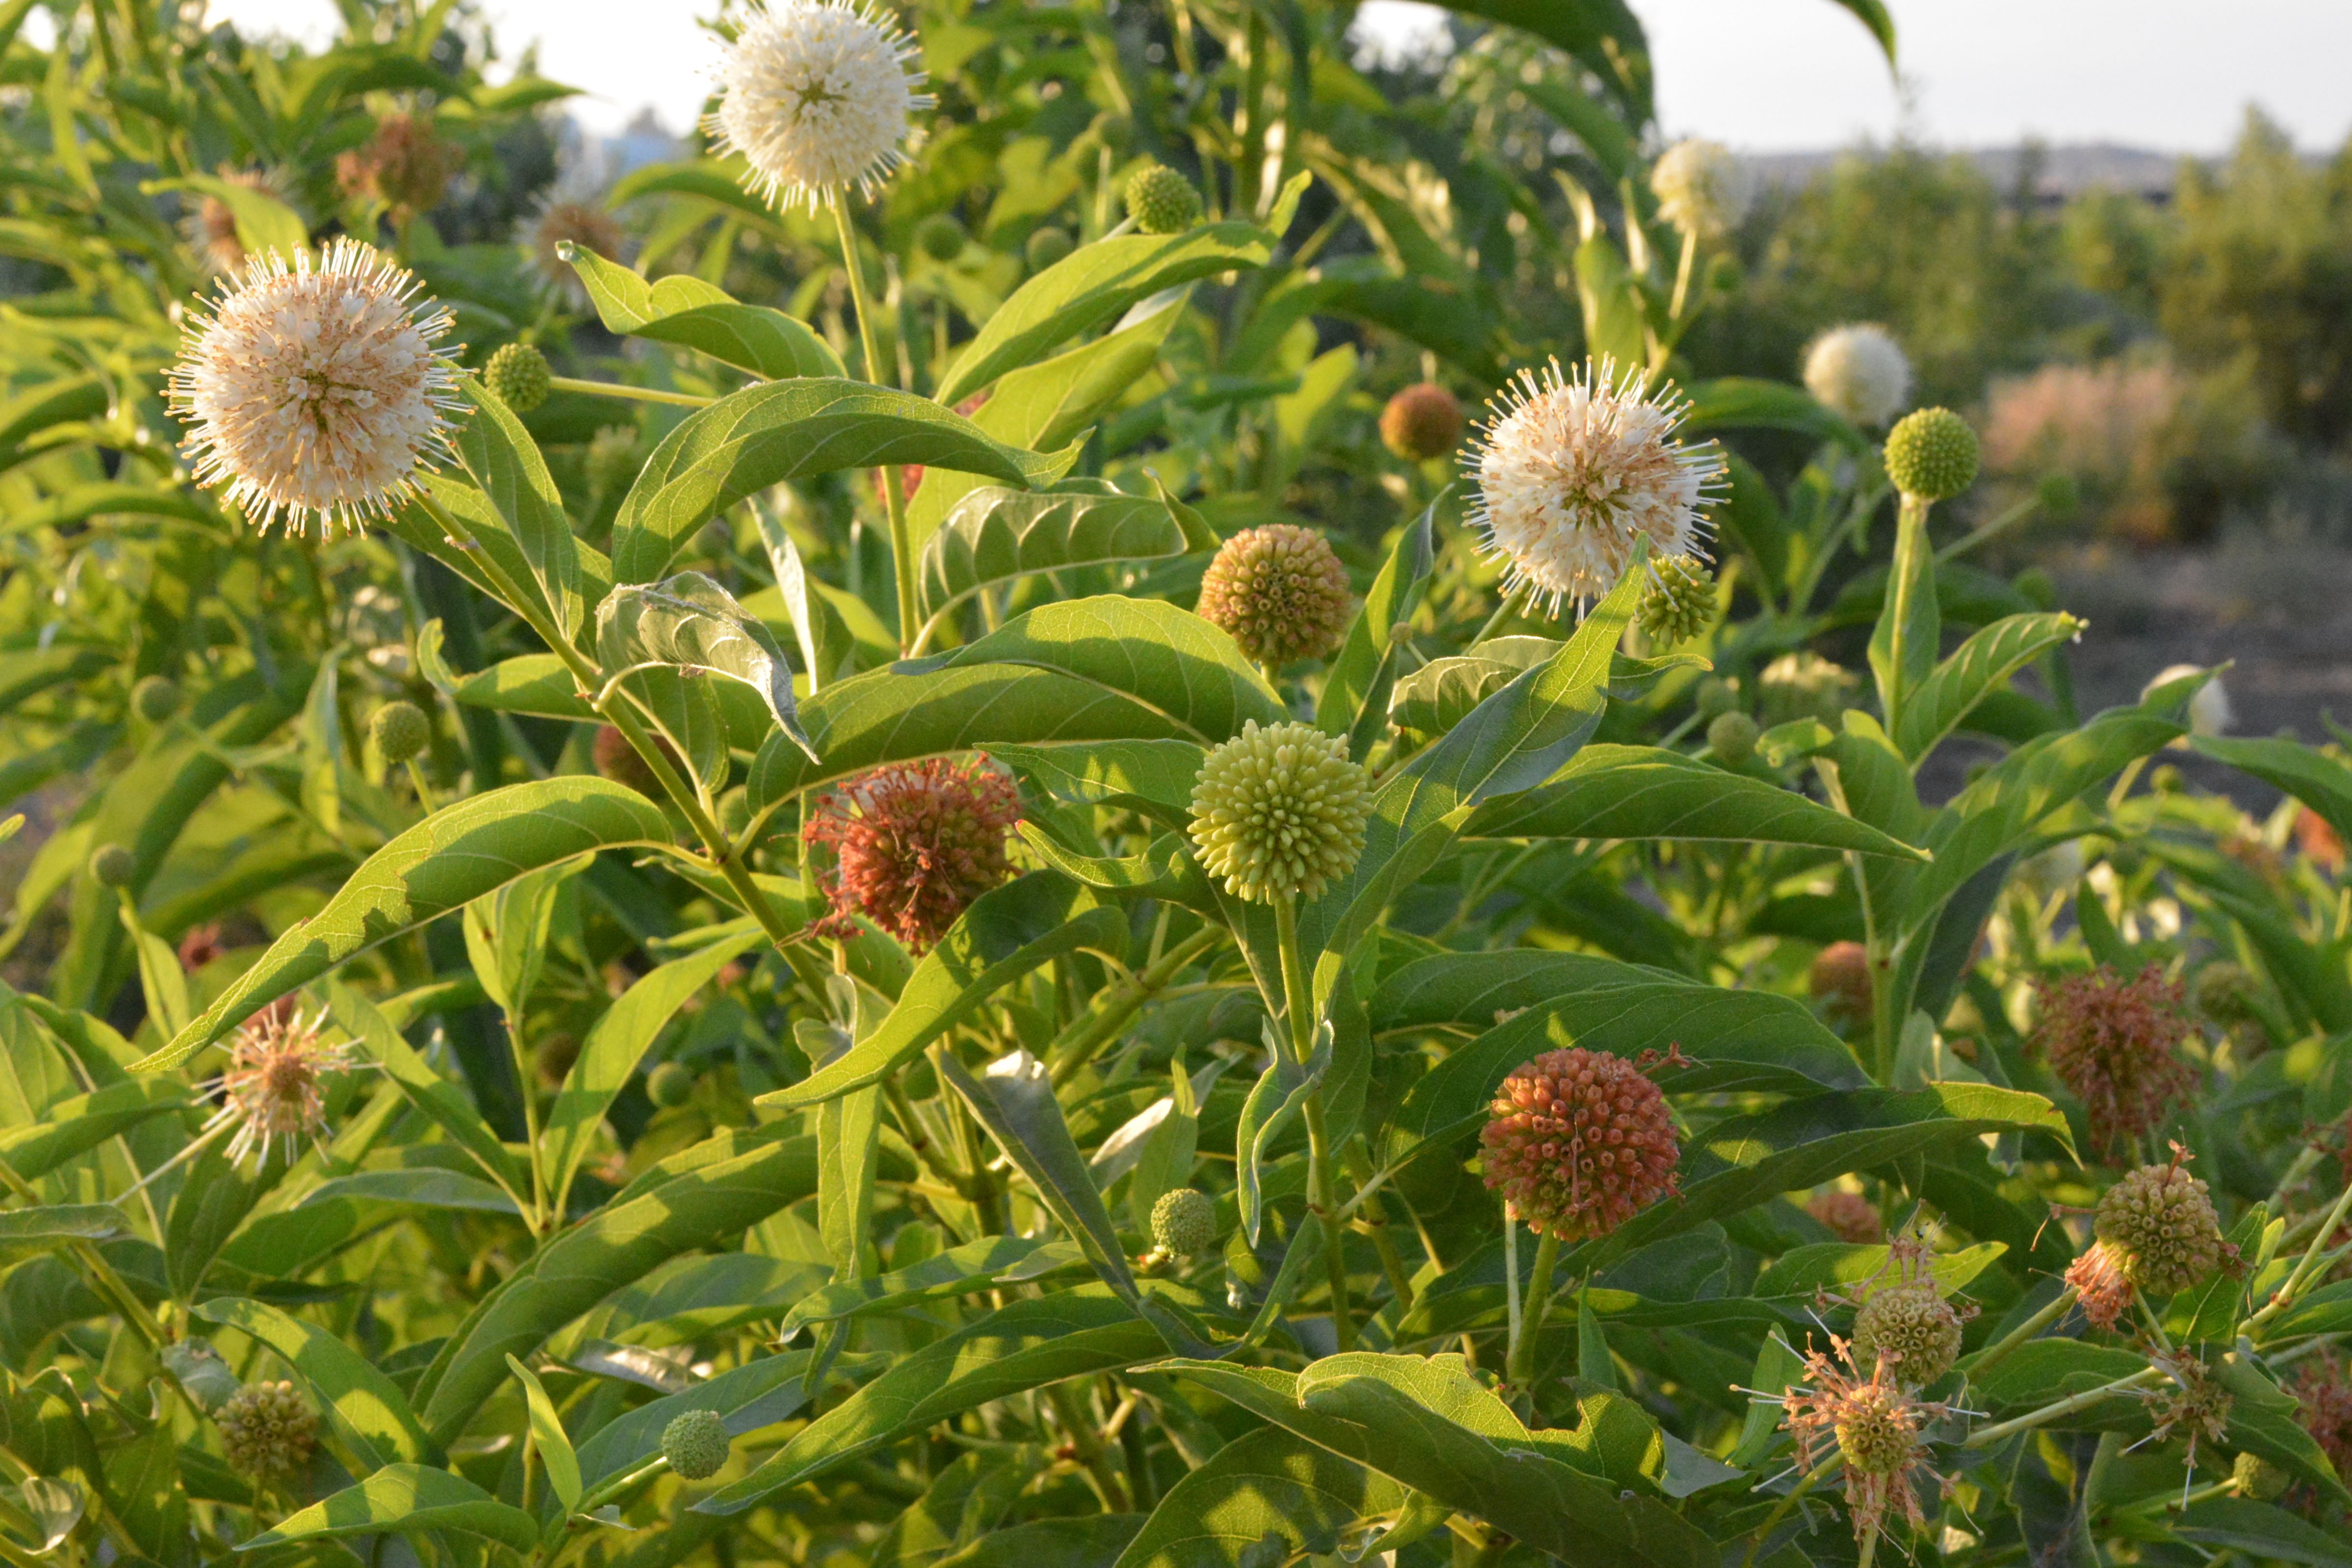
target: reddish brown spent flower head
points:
(618, 761)
(2101, 1285)
(1279, 591)
(2325, 1401)
(1579, 1143)
(914, 844)
(1421, 422)
(200, 946)
(1850, 1217)
(562, 221)
(274, 1090)
(1840, 982)
(1870, 1423)
(405, 165)
(2114, 1042)
(2318, 839)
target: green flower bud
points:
(1912, 1328)
(267, 1429)
(1732, 738)
(156, 698)
(2161, 1219)
(1280, 811)
(694, 1443)
(671, 1085)
(1161, 201)
(1931, 455)
(401, 730)
(113, 866)
(1871, 1432)
(940, 237)
(1046, 246)
(2224, 992)
(1184, 1223)
(1680, 603)
(1280, 590)
(517, 377)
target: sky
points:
(2174, 75)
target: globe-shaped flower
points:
(1047, 245)
(1850, 1217)
(818, 96)
(1932, 455)
(1280, 590)
(1161, 201)
(210, 224)
(267, 1429)
(2210, 713)
(1860, 373)
(2100, 1285)
(914, 844)
(1184, 1223)
(406, 165)
(156, 698)
(1421, 422)
(1875, 1425)
(942, 237)
(1681, 600)
(1908, 1332)
(1572, 474)
(2324, 1400)
(1579, 1143)
(401, 730)
(274, 1090)
(1804, 685)
(1732, 737)
(1279, 812)
(2114, 1043)
(1701, 188)
(1840, 981)
(316, 390)
(696, 1444)
(517, 376)
(113, 866)
(2225, 992)
(2159, 1219)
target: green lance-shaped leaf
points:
(1004, 934)
(962, 1507)
(26, 674)
(506, 930)
(828, 647)
(1154, 777)
(446, 1103)
(110, 499)
(264, 223)
(621, 1242)
(1079, 1541)
(1274, 1101)
(1745, 402)
(44, 406)
(755, 1395)
(615, 1043)
(505, 463)
(684, 309)
(1646, 792)
(784, 430)
(45, 1228)
(690, 622)
(405, 1500)
(1091, 286)
(974, 1266)
(1902, 644)
(73, 1127)
(366, 1407)
(994, 535)
(1429, 1426)
(2312, 776)
(1026, 1344)
(443, 863)
(548, 1436)
(1355, 698)
(1267, 1484)
(1976, 670)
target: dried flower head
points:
(210, 224)
(1681, 600)
(1907, 1331)
(405, 165)
(2325, 1402)
(1279, 812)
(316, 390)
(1840, 981)
(1280, 590)
(2160, 1220)
(199, 945)
(274, 1090)
(1701, 188)
(267, 1429)
(1572, 474)
(818, 96)
(1858, 372)
(1850, 1217)
(561, 219)
(914, 844)
(2101, 1286)
(1873, 1425)
(2195, 1405)
(2317, 838)
(2114, 1043)
(1422, 422)
(1579, 1141)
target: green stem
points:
(1085, 1038)
(1088, 1443)
(1993, 1353)
(902, 552)
(2302, 1269)
(1503, 611)
(1984, 1436)
(1518, 1368)
(628, 394)
(1682, 276)
(1322, 1199)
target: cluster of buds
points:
(2156, 1234)
(267, 1429)
(1279, 591)
(1580, 1142)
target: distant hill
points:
(2065, 171)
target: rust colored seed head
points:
(2161, 1219)
(1579, 1143)
(2114, 1044)
(1840, 981)
(914, 844)
(405, 165)
(1421, 422)
(1850, 1217)
(1280, 590)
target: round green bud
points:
(400, 730)
(1931, 455)
(1732, 737)
(1161, 201)
(1680, 602)
(2166, 779)
(1184, 1223)
(2224, 992)
(1716, 695)
(2255, 1477)
(267, 1429)
(517, 376)
(1046, 246)
(113, 866)
(2161, 1219)
(695, 1444)
(671, 1085)
(1279, 812)
(1872, 1433)
(1912, 1330)
(613, 459)
(940, 236)
(156, 698)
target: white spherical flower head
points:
(817, 95)
(1572, 474)
(316, 390)
(2210, 713)
(1701, 188)
(1859, 373)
